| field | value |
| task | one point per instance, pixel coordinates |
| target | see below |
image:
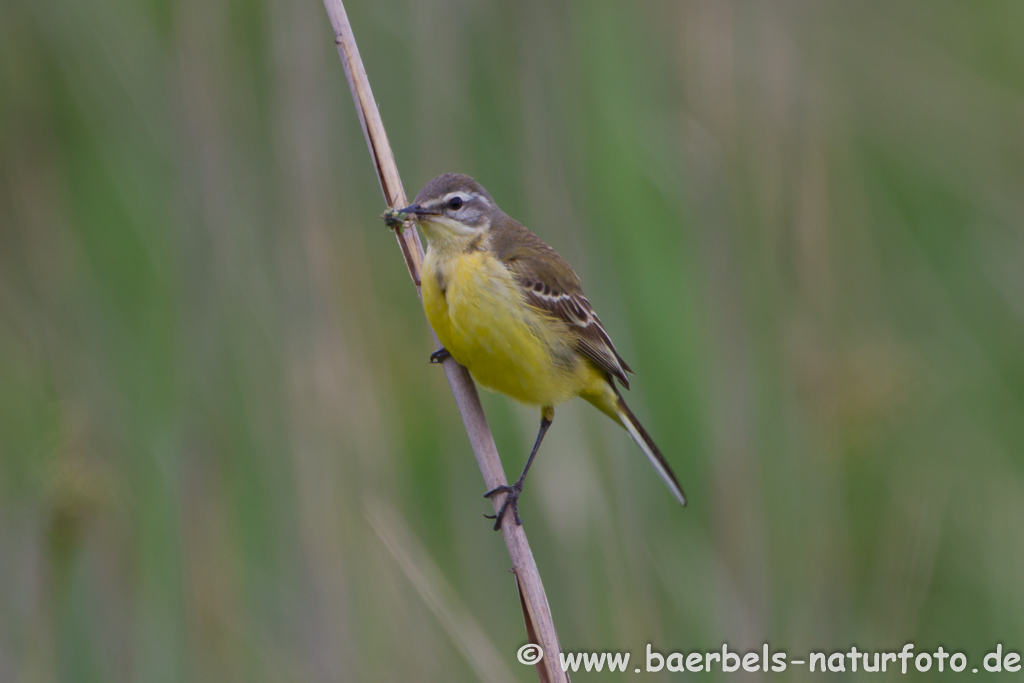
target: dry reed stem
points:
(540, 627)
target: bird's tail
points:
(643, 439)
(606, 398)
(646, 444)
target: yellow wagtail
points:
(506, 306)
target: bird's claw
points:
(440, 356)
(512, 498)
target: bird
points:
(506, 306)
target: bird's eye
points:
(455, 203)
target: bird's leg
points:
(547, 414)
(440, 356)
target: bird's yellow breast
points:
(482, 318)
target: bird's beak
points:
(416, 211)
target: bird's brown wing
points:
(573, 308)
(550, 285)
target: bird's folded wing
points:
(573, 308)
(549, 284)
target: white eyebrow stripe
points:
(465, 196)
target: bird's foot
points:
(511, 499)
(440, 356)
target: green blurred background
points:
(224, 457)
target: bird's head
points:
(452, 208)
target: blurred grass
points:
(801, 224)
